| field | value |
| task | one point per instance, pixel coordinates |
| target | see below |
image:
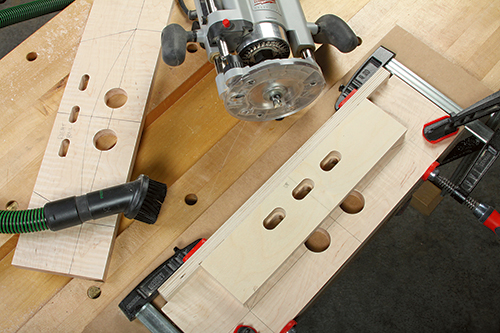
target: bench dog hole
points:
(31, 56)
(303, 189)
(354, 203)
(274, 218)
(12, 205)
(192, 48)
(94, 292)
(319, 241)
(191, 199)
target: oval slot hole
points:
(63, 149)
(274, 218)
(354, 203)
(84, 82)
(303, 189)
(73, 116)
(330, 161)
(319, 241)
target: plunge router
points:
(263, 51)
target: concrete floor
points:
(416, 274)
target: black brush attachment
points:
(141, 200)
(148, 209)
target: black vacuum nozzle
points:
(140, 200)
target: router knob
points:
(335, 31)
(174, 39)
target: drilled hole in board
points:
(84, 82)
(191, 199)
(63, 149)
(116, 98)
(73, 115)
(330, 161)
(303, 189)
(274, 218)
(354, 203)
(105, 139)
(31, 56)
(319, 241)
(12, 205)
(192, 48)
(94, 292)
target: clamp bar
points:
(423, 87)
(434, 131)
(476, 127)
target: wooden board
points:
(31, 92)
(96, 130)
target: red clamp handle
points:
(493, 222)
(435, 132)
(244, 328)
(288, 326)
(195, 248)
(427, 173)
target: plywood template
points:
(358, 138)
(95, 134)
(294, 168)
(297, 281)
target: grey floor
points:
(416, 274)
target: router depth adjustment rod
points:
(483, 212)
(250, 42)
(140, 200)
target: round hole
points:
(354, 203)
(319, 241)
(94, 292)
(192, 48)
(31, 56)
(12, 205)
(191, 199)
(105, 139)
(116, 98)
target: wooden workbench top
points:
(182, 142)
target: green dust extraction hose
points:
(31, 10)
(140, 200)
